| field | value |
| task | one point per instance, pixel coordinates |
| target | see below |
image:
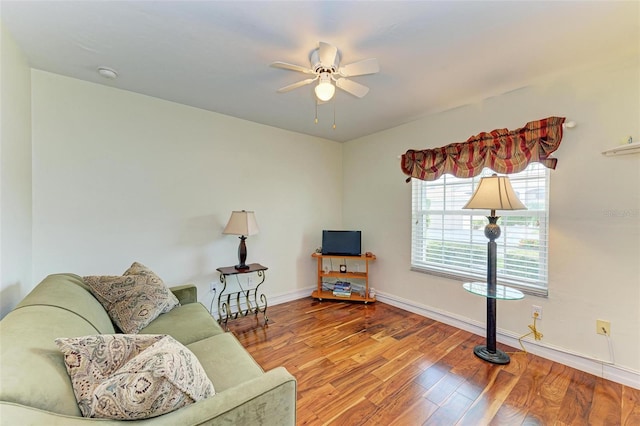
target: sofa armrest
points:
(266, 400)
(186, 294)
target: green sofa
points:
(35, 388)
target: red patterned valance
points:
(504, 151)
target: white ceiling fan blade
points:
(367, 66)
(327, 54)
(296, 85)
(356, 89)
(292, 67)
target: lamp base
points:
(242, 254)
(497, 357)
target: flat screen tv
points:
(343, 243)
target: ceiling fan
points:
(325, 68)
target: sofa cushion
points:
(225, 361)
(32, 370)
(69, 292)
(138, 268)
(132, 301)
(187, 324)
(129, 377)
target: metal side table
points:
(245, 301)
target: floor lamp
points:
(493, 193)
(242, 223)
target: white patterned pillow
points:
(133, 300)
(138, 268)
(129, 376)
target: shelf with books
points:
(328, 295)
(351, 282)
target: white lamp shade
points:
(495, 193)
(242, 223)
(325, 90)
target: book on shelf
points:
(342, 289)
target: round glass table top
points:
(501, 292)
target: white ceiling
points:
(215, 55)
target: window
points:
(450, 241)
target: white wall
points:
(594, 270)
(120, 177)
(15, 174)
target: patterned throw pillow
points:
(139, 269)
(130, 376)
(134, 300)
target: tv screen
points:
(344, 243)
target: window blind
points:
(450, 241)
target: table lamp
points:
(242, 223)
(493, 193)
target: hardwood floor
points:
(376, 364)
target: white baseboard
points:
(578, 361)
(575, 360)
(277, 299)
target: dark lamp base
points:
(499, 357)
(242, 254)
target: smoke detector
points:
(107, 73)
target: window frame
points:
(422, 260)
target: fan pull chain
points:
(334, 113)
(316, 120)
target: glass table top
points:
(501, 292)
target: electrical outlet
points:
(603, 327)
(213, 285)
(250, 280)
(535, 309)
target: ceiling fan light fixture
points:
(326, 71)
(325, 90)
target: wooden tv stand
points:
(321, 294)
